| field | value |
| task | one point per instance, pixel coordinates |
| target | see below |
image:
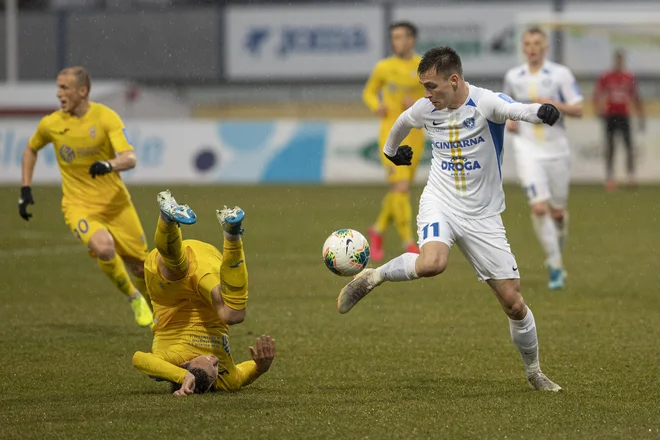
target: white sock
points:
(523, 335)
(562, 231)
(547, 234)
(402, 268)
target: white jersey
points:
(552, 81)
(466, 175)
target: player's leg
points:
(233, 270)
(559, 176)
(94, 233)
(102, 244)
(385, 215)
(485, 246)
(533, 176)
(168, 236)
(522, 328)
(436, 235)
(610, 129)
(130, 242)
(624, 126)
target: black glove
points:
(403, 156)
(23, 201)
(548, 113)
(99, 168)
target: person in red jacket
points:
(615, 93)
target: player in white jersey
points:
(463, 198)
(542, 153)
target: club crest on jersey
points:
(469, 123)
(92, 132)
(67, 153)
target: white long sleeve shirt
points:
(466, 175)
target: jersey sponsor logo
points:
(63, 131)
(460, 164)
(88, 151)
(92, 132)
(469, 123)
(225, 344)
(437, 123)
(67, 153)
(443, 145)
(506, 98)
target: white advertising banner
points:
(176, 151)
(290, 151)
(484, 35)
(294, 42)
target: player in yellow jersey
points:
(392, 88)
(92, 148)
(197, 292)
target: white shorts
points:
(544, 180)
(482, 241)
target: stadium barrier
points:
(291, 151)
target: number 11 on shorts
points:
(435, 230)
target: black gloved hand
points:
(548, 113)
(403, 156)
(99, 168)
(23, 201)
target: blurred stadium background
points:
(296, 67)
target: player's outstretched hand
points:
(188, 386)
(548, 113)
(264, 354)
(99, 168)
(23, 201)
(403, 156)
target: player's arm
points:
(500, 107)
(511, 126)
(125, 158)
(249, 371)
(572, 105)
(639, 105)
(155, 367)
(371, 92)
(39, 139)
(402, 154)
(598, 98)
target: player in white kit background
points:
(463, 198)
(542, 153)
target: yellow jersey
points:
(396, 79)
(79, 142)
(185, 306)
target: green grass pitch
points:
(429, 359)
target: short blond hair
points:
(82, 76)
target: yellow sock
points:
(141, 286)
(402, 213)
(234, 275)
(116, 271)
(383, 220)
(169, 243)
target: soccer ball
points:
(346, 252)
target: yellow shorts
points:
(415, 140)
(122, 222)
